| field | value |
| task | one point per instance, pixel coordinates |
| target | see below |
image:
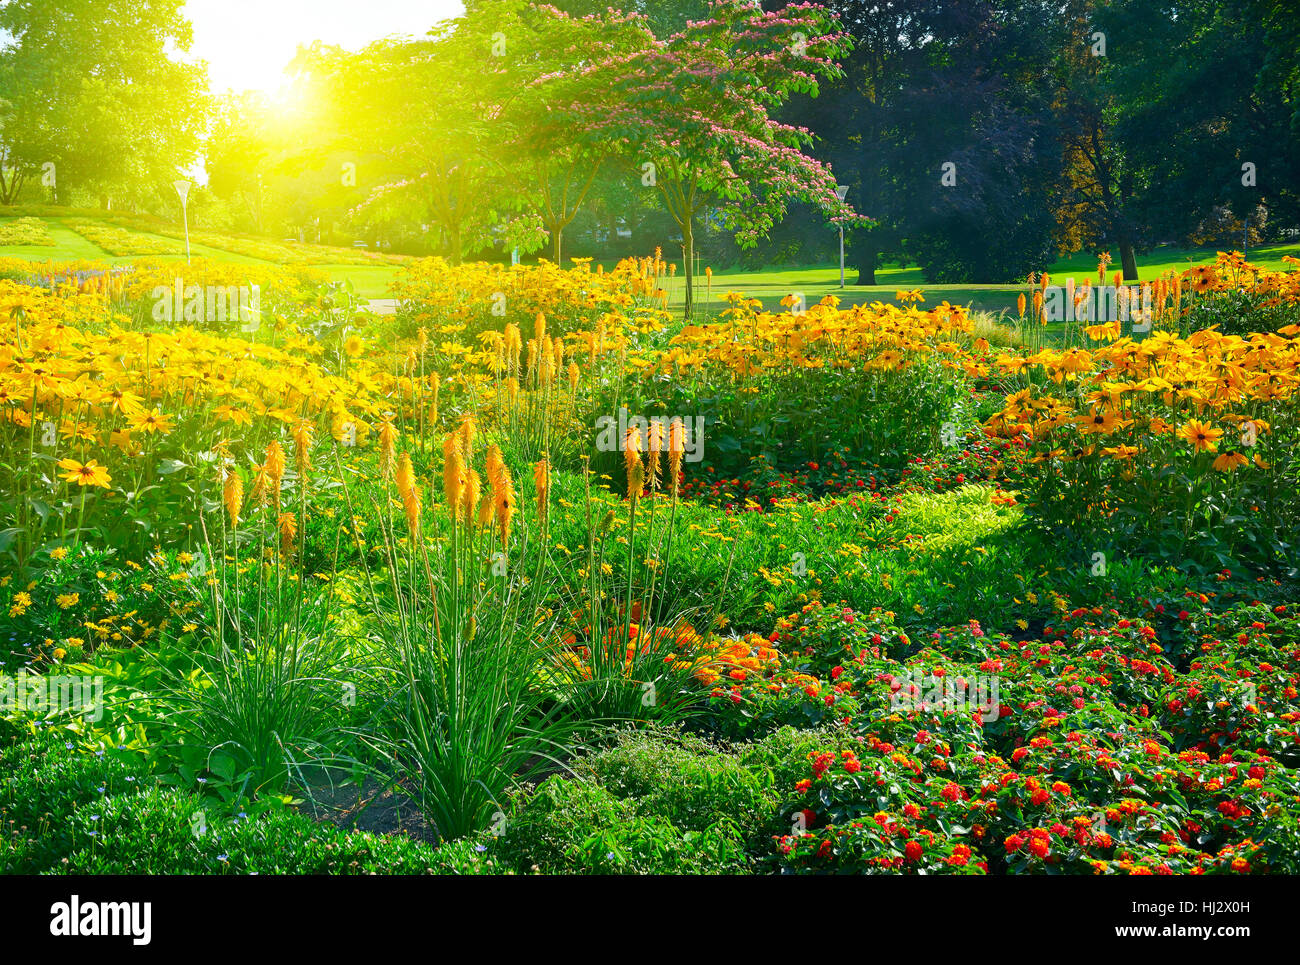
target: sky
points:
(247, 43)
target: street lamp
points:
(183, 189)
(841, 191)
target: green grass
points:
(815, 282)
(965, 556)
(770, 285)
(70, 246)
(370, 281)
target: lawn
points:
(370, 281)
(771, 284)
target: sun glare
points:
(241, 58)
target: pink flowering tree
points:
(691, 114)
(551, 163)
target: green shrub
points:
(25, 231)
(1239, 311)
(683, 779)
(44, 780)
(783, 754)
(63, 810)
(164, 831)
(576, 826)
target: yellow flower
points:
(1203, 437)
(453, 472)
(233, 496)
(1098, 422)
(1230, 461)
(388, 447)
(409, 493)
(302, 439)
(542, 485)
(124, 402)
(152, 422)
(287, 523)
(228, 413)
(89, 474)
(1106, 332)
(503, 499)
(67, 600)
(275, 464)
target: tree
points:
(940, 129)
(663, 17)
(692, 115)
(15, 168)
(853, 116)
(1097, 200)
(975, 157)
(428, 107)
(1198, 94)
(92, 89)
(241, 150)
(553, 160)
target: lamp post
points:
(841, 191)
(183, 189)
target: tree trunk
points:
(867, 265)
(557, 241)
(1128, 260)
(688, 246)
(10, 187)
(453, 243)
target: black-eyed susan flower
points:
(1230, 461)
(1201, 436)
(85, 474)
